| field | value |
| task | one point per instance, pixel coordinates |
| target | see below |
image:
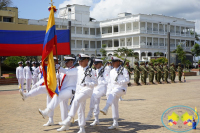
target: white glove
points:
(115, 82)
(83, 84)
(57, 66)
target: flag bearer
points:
(67, 90)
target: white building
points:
(146, 34)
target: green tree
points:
(196, 50)
(181, 54)
(188, 63)
(122, 51)
(158, 53)
(12, 61)
(159, 60)
(5, 3)
(102, 50)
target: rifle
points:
(88, 71)
(102, 70)
(120, 69)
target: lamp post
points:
(168, 45)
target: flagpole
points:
(56, 52)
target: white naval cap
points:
(27, 62)
(114, 58)
(20, 62)
(33, 62)
(68, 58)
(83, 56)
(55, 58)
(40, 61)
(96, 61)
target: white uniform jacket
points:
(33, 69)
(20, 72)
(37, 72)
(123, 79)
(90, 82)
(67, 81)
(102, 81)
(27, 73)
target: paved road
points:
(140, 112)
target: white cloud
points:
(107, 9)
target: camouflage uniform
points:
(129, 72)
(180, 71)
(162, 74)
(158, 69)
(136, 73)
(151, 73)
(166, 73)
(155, 65)
(144, 73)
(173, 73)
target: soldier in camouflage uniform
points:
(127, 66)
(173, 73)
(155, 68)
(180, 71)
(151, 73)
(165, 73)
(144, 73)
(136, 73)
(162, 74)
(158, 73)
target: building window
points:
(7, 19)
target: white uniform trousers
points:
(79, 104)
(40, 90)
(21, 82)
(62, 98)
(95, 101)
(113, 99)
(28, 85)
(34, 80)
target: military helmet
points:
(135, 62)
(179, 64)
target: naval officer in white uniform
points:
(27, 76)
(67, 90)
(119, 88)
(98, 92)
(20, 75)
(83, 92)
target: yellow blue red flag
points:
(48, 64)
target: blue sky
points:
(34, 9)
(107, 9)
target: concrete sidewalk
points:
(140, 112)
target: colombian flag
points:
(50, 41)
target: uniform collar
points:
(100, 68)
(116, 69)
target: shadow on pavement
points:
(124, 127)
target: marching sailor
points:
(67, 89)
(28, 75)
(34, 77)
(37, 89)
(119, 87)
(20, 75)
(38, 71)
(86, 81)
(98, 92)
